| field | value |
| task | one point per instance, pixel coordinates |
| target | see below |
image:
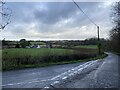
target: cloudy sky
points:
(57, 20)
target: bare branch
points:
(6, 15)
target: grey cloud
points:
(18, 29)
(55, 12)
(50, 21)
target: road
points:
(104, 76)
(93, 74)
(33, 78)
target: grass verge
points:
(55, 63)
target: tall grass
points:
(15, 58)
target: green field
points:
(87, 46)
(24, 58)
(9, 53)
(17, 58)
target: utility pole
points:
(99, 44)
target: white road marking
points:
(56, 82)
(55, 77)
(46, 87)
(12, 84)
(44, 80)
(64, 75)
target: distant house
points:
(35, 46)
(48, 45)
(27, 47)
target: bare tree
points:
(5, 15)
(115, 32)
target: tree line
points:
(67, 43)
(114, 41)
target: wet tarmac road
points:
(105, 76)
(102, 74)
(34, 78)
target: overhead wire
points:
(84, 13)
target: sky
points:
(57, 20)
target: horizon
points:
(53, 39)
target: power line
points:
(84, 12)
(99, 48)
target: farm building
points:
(33, 46)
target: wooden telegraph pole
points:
(99, 44)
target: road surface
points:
(33, 78)
(105, 76)
(93, 74)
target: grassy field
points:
(87, 46)
(26, 58)
(16, 58)
(37, 43)
(8, 53)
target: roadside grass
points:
(13, 59)
(99, 57)
(116, 53)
